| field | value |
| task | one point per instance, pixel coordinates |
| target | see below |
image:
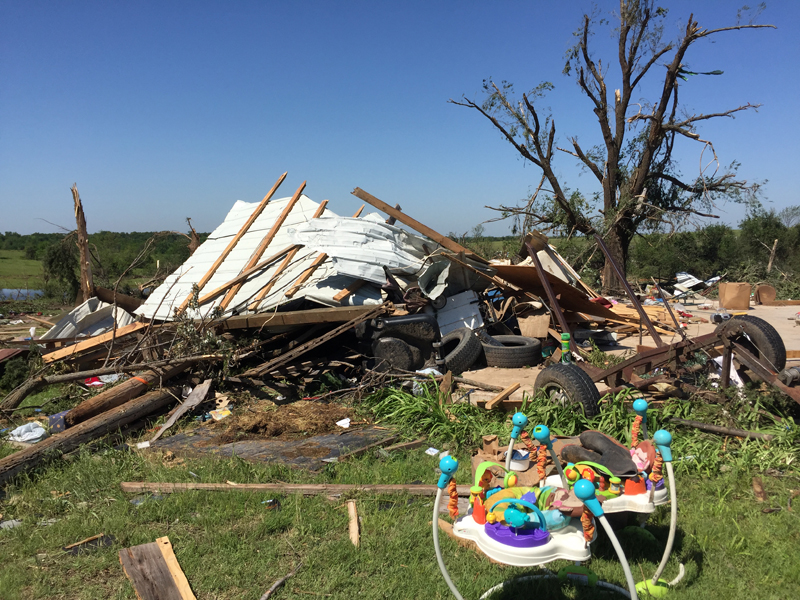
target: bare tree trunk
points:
(772, 256)
(87, 284)
(618, 248)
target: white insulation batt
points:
(360, 248)
(93, 317)
(161, 304)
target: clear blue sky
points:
(163, 110)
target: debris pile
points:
(290, 301)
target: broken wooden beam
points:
(501, 396)
(307, 489)
(94, 428)
(122, 393)
(415, 225)
(351, 288)
(154, 571)
(352, 526)
(93, 342)
(232, 244)
(723, 430)
(297, 317)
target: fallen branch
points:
(280, 582)
(723, 430)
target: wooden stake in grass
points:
(353, 526)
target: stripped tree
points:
(641, 186)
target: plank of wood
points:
(264, 244)
(196, 396)
(178, 576)
(501, 396)
(350, 289)
(352, 526)
(363, 449)
(84, 541)
(40, 320)
(232, 244)
(414, 224)
(92, 342)
(446, 388)
(154, 571)
(307, 489)
(298, 317)
(793, 354)
(245, 274)
(406, 445)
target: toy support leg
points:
(673, 518)
(438, 549)
(621, 555)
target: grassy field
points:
(231, 546)
(18, 272)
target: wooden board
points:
(501, 396)
(297, 317)
(154, 571)
(93, 342)
(307, 489)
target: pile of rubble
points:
(285, 288)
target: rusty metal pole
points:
(638, 305)
(551, 296)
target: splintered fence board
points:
(154, 571)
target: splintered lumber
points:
(87, 285)
(92, 342)
(300, 350)
(321, 258)
(723, 430)
(501, 396)
(264, 244)
(414, 224)
(314, 316)
(87, 431)
(122, 393)
(245, 274)
(32, 385)
(286, 262)
(306, 489)
(197, 395)
(350, 289)
(352, 514)
(154, 571)
(232, 244)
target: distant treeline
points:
(112, 253)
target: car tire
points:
(512, 351)
(759, 338)
(568, 384)
(461, 348)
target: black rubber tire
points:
(569, 384)
(461, 348)
(512, 351)
(765, 342)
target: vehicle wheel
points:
(460, 349)
(512, 351)
(394, 353)
(759, 338)
(569, 384)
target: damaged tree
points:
(634, 165)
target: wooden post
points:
(87, 284)
(353, 523)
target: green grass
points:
(18, 272)
(230, 546)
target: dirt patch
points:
(288, 422)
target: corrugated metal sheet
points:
(175, 289)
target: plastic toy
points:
(509, 525)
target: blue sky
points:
(166, 110)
